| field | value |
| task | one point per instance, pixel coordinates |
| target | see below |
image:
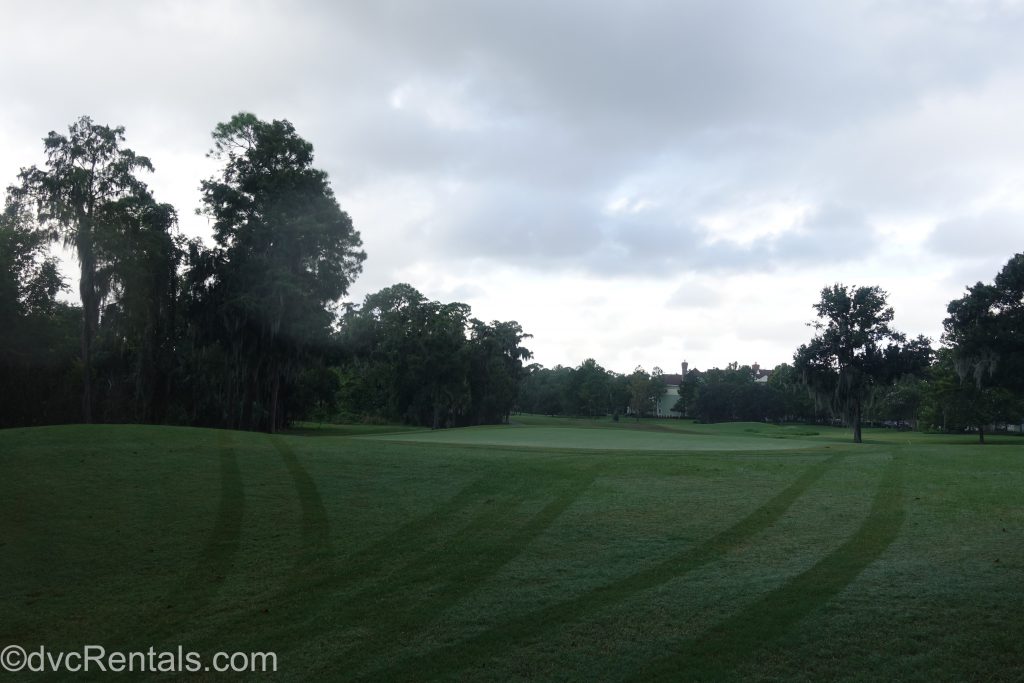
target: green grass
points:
(547, 549)
(607, 439)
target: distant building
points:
(760, 375)
(671, 395)
(672, 382)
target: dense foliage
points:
(411, 360)
(589, 390)
(731, 394)
(979, 378)
(40, 366)
(86, 195)
(244, 333)
(856, 352)
(263, 295)
(858, 367)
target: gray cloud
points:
(996, 233)
(694, 295)
(687, 64)
(541, 232)
(595, 137)
(829, 234)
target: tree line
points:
(858, 365)
(246, 332)
(589, 390)
(857, 369)
(713, 395)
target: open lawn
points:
(622, 439)
(546, 549)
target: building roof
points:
(675, 379)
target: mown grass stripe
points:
(315, 559)
(412, 617)
(197, 588)
(717, 652)
(411, 541)
(530, 626)
(218, 555)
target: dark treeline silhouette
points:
(244, 333)
(714, 395)
(977, 381)
(734, 394)
(589, 390)
(411, 360)
(40, 368)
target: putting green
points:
(599, 439)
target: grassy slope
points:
(382, 558)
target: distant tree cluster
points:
(714, 395)
(243, 333)
(411, 360)
(733, 394)
(858, 367)
(589, 390)
(645, 391)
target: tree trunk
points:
(248, 420)
(435, 407)
(86, 371)
(856, 425)
(981, 434)
(275, 390)
(87, 291)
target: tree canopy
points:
(429, 363)
(285, 253)
(854, 350)
(984, 331)
(88, 180)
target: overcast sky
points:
(637, 182)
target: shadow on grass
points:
(447, 577)
(717, 652)
(308, 597)
(197, 588)
(315, 559)
(218, 555)
(532, 626)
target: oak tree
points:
(847, 356)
